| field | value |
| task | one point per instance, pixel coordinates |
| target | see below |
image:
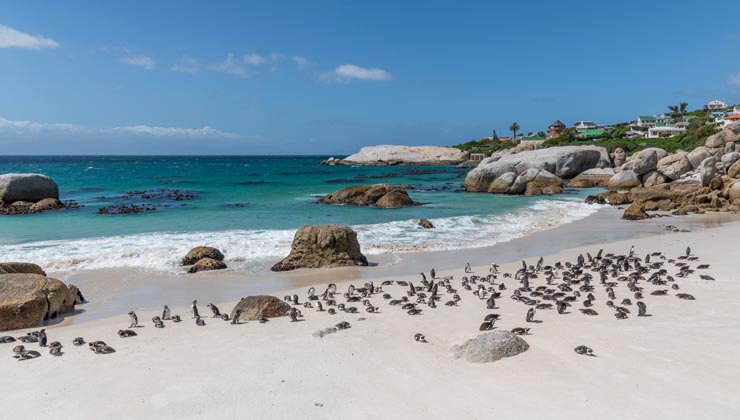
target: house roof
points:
(557, 123)
(534, 137)
(646, 117)
(593, 132)
(733, 117)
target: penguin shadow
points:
(59, 318)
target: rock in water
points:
(636, 211)
(252, 307)
(28, 299)
(207, 264)
(491, 346)
(426, 224)
(21, 268)
(404, 155)
(379, 195)
(323, 246)
(27, 187)
(200, 252)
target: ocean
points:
(249, 207)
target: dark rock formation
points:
(207, 264)
(379, 195)
(200, 252)
(27, 299)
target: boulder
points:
(502, 184)
(426, 224)
(707, 170)
(645, 161)
(652, 179)
(200, 252)
(564, 162)
(697, 155)
(734, 170)
(28, 299)
(615, 198)
(380, 195)
(207, 264)
(21, 268)
(619, 157)
(642, 194)
(636, 211)
(624, 180)
(729, 159)
(46, 204)
(490, 347)
(519, 186)
(79, 299)
(597, 177)
(405, 155)
(252, 307)
(323, 246)
(716, 140)
(673, 166)
(27, 187)
(732, 132)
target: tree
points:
(673, 108)
(514, 127)
(682, 107)
(541, 134)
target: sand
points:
(680, 363)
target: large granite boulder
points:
(619, 156)
(47, 204)
(541, 182)
(697, 155)
(644, 161)
(323, 246)
(490, 347)
(27, 187)
(252, 307)
(734, 193)
(564, 162)
(379, 195)
(734, 170)
(199, 252)
(624, 180)
(636, 211)
(596, 177)
(716, 140)
(207, 264)
(21, 268)
(707, 170)
(653, 178)
(673, 166)
(28, 299)
(404, 155)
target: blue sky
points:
(327, 77)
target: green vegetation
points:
(485, 146)
(514, 127)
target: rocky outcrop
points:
(644, 161)
(636, 211)
(490, 347)
(426, 224)
(27, 187)
(403, 155)
(207, 264)
(253, 307)
(597, 177)
(619, 156)
(28, 299)
(674, 166)
(652, 179)
(624, 180)
(21, 268)
(697, 155)
(323, 246)
(379, 195)
(707, 170)
(200, 252)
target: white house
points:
(635, 134)
(581, 126)
(736, 109)
(646, 121)
(715, 105)
(664, 132)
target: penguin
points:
(176, 318)
(126, 333)
(78, 341)
(262, 318)
(520, 331)
(433, 274)
(331, 311)
(491, 303)
(224, 317)
(530, 315)
(343, 325)
(55, 349)
(588, 311)
(6, 339)
(293, 314)
(194, 309)
(214, 309)
(584, 351)
(101, 348)
(486, 326)
(413, 311)
(320, 307)
(166, 313)
(419, 337)
(134, 319)
(688, 251)
(561, 307)
(684, 296)
(235, 318)
(641, 308)
(295, 300)
(158, 323)
(42, 338)
(200, 322)
(21, 353)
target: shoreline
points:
(649, 367)
(138, 289)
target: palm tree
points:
(682, 107)
(514, 127)
(673, 108)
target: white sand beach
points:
(678, 363)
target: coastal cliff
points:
(402, 155)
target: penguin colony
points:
(623, 281)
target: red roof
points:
(733, 117)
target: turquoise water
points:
(250, 207)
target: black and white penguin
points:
(200, 322)
(641, 308)
(584, 351)
(78, 341)
(293, 314)
(126, 333)
(134, 320)
(6, 339)
(176, 318)
(530, 315)
(235, 318)
(55, 349)
(214, 309)
(42, 338)
(420, 338)
(520, 331)
(194, 309)
(166, 313)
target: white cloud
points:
(230, 66)
(141, 61)
(10, 38)
(186, 65)
(33, 128)
(300, 61)
(734, 80)
(254, 59)
(348, 72)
